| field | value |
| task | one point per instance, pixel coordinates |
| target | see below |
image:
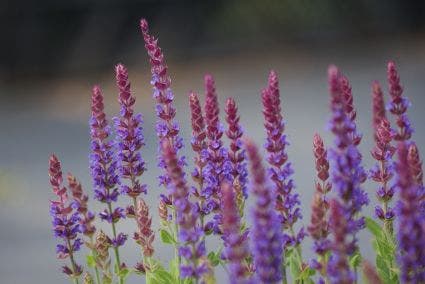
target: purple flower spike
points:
(130, 140)
(348, 174)
(191, 248)
(266, 237)
(217, 168)
(236, 155)
(350, 110)
(338, 268)
(235, 242)
(319, 227)
(411, 225)
(399, 104)
(65, 220)
(199, 146)
(80, 201)
(415, 164)
(287, 201)
(166, 127)
(383, 171)
(378, 106)
(103, 167)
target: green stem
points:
(284, 280)
(117, 254)
(176, 235)
(71, 257)
(96, 271)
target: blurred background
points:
(52, 52)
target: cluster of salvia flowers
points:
(265, 245)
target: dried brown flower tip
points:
(144, 236)
(87, 278)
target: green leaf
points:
(294, 265)
(159, 276)
(174, 269)
(214, 258)
(166, 237)
(306, 274)
(124, 273)
(188, 281)
(91, 261)
(373, 227)
(355, 259)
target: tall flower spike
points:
(338, 268)
(411, 225)
(399, 104)
(350, 109)
(102, 165)
(103, 169)
(235, 242)
(236, 155)
(65, 220)
(319, 227)
(144, 236)
(199, 146)
(382, 172)
(80, 200)
(378, 106)
(287, 201)
(166, 127)
(130, 140)
(191, 248)
(266, 237)
(415, 164)
(348, 174)
(217, 168)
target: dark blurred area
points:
(52, 37)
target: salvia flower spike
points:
(80, 204)
(287, 201)
(199, 147)
(319, 227)
(382, 172)
(348, 173)
(265, 236)
(235, 242)
(65, 221)
(411, 225)
(415, 166)
(166, 127)
(191, 246)
(128, 128)
(103, 166)
(217, 168)
(338, 269)
(378, 106)
(236, 154)
(399, 104)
